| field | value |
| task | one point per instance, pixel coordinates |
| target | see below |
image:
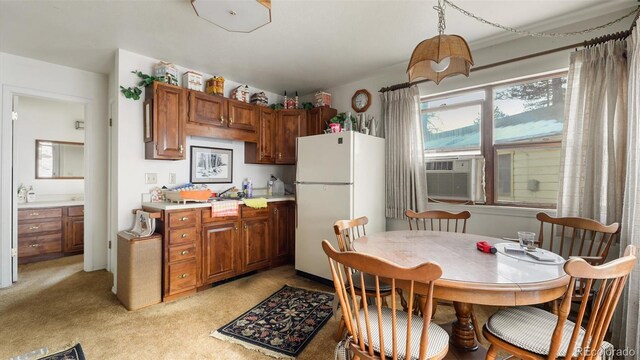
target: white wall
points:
(45, 119)
(131, 165)
(24, 76)
(484, 221)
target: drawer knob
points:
(184, 236)
(34, 214)
(183, 276)
(231, 120)
(222, 119)
(34, 245)
(34, 227)
(184, 218)
(184, 252)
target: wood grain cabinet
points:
(222, 247)
(318, 118)
(290, 124)
(282, 220)
(219, 117)
(48, 233)
(263, 152)
(165, 112)
(220, 250)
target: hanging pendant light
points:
(441, 56)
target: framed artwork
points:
(211, 165)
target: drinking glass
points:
(527, 239)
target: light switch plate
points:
(172, 178)
(150, 178)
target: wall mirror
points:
(59, 160)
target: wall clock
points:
(361, 100)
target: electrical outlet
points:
(150, 178)
(172, 178)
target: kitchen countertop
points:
(47, 204)
(193, 205)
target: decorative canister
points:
(335, 127)
(215, 86)
(241, 93)
(260, 99)
(323, 99)
(167, 71)
(192, 80)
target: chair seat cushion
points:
(438, 337)
(369, 283)
(531, 329)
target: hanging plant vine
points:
(145, 80)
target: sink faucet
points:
(226, 191)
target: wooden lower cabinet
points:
(220, 246)
(48, 233)
(255, 244)
(216, 249)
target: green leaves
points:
(145, 80)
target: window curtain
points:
(594, 143)
(625, 328)
(406, 179)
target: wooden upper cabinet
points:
(167, 106)
(289, 125)
(241, 115)
(263, 152)
(318, 118)
(207, 109)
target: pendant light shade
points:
(430, 57)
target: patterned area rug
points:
(282, 325)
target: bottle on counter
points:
(348, 125)
(270, 186)
(249, 192)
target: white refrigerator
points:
(338, 176)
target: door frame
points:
(8, 188)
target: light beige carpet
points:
(55, 302)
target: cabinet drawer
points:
(182, 276)
(207, 218)
(247, 212)
(75, 211)
(182, 252)
(39, 227)
(39, 245)
(179, 236)
(182, 218)
(28, 214)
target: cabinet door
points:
(267, 136)
(289, 126)
(170, 113)
(207, 109)
(74, 235)
(255, 241)
(282, 232)
(241, 115)
(313, 122)
(219, 251)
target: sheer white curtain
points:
(406, 182)
(594, 144)
(625, 327)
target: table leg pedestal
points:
(462, 332)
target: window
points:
(517, 128)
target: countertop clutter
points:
(165, 205)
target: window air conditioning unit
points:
(456, 179)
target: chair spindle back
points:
(348, 230)
(359, 318)
(438, 220)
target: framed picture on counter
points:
(211, 165)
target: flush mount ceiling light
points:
(441, 56)
(234, 16)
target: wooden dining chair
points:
(531, 333)
(346, 231)
(378, 332)
(438, 220)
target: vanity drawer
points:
(247, 212)
(182, 276)
(182, 218)
(45, 213)
(207, 218)
(75, 211)
(39, 227)
(178, 236)
(39, 245)
(182, 252)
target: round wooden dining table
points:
(469, 276)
